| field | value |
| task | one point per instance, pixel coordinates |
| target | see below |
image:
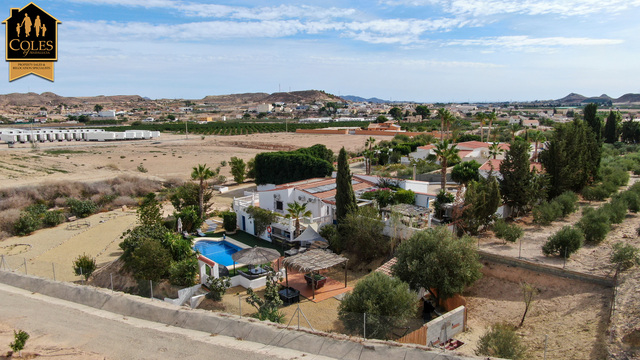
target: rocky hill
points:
(51, 99)
(577, 99)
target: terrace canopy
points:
(310, 236)
(315, 260)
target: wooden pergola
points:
(315, 260)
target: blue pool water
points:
(218, 251)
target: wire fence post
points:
(2, 263)
(151, 289)
(545, 346)
(520, 250)
(240, 305)
(565, 258)
(111, 277)
(81, 277)
(364, 325)
(298, 316)
(25, 266)
(53, 268)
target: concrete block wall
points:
(319, 343)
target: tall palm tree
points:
(445, 117)
(480, 116)
(201, 173)
(445, 153)
(368, 144)
(495, 150)
(490, 116)
(537, 137)
(296, 211)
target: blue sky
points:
(417, 50)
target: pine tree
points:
(517, 176)
(610, 128)
(345, 197)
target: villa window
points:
(279, 205)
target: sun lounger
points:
(200, 233)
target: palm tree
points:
(480, 116)
(537, 137)
(445, 153)
(491, 116)
(514, 128)
(202, 173)
(297, 211)
(445, 117)
(368, 144)
(495, 150)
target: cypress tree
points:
(572, 158)
(591, 117)
(610, 128)
(345, 197)
(517, 176)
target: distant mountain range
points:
(305, 96)
(577, 99)
(361, 99)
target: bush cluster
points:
(547, 212)
(507, 232)
(564, 242)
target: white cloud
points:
(526, 43)
(479, 8)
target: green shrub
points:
(546, 212)
(36, 209)
(564, 242)
(595, 193)
(616, 210)
(53, 218)
(184, 272)
(229, 220)
(81, 208)
(625, 256)
(217, 287)
(404, 197)
(150, 261)
(632, 199)
(567, 202)
(594, 225)
(330, 233)
(501, 341)
(84, 266)
(507, 232)
(27, 223)
(20, 339)
(387, 302)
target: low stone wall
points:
(319, 343)
(546, 269)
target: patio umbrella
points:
(255, 255)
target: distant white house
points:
(107, 113)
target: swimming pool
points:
(218, 251)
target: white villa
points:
(319, 195)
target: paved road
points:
(68, 324)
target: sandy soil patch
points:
(574, 315)
(56, 248)
(172, 156)
(40, 347)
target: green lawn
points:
(248, 239)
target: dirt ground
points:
(572, 315)
(170, 157)
(37, 347)
(590, 259)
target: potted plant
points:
(319, 279)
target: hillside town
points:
(503, 229)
